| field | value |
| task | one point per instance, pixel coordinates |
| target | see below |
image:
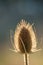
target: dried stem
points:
(26, 59)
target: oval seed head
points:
(24, 36)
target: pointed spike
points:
(36, 50)
(11, 32)
(11, 40)
(31, 25)
(13, 50)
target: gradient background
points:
(11, 12)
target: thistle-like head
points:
(24, 37)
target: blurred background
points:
(11, 13)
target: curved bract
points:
(25, 32)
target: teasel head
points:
(24, 37)
(24, 40)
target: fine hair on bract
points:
(24, 32)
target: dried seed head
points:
(24, 31)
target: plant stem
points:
(26, 59)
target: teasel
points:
(24, 40)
